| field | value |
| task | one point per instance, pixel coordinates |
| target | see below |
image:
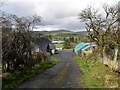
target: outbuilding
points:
(44, 45)
(81, 47)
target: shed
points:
(78, 48)
(86, 47)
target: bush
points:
(38, 57)
(45, 56)
(85, 54)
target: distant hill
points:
(82, 32)
(60, 32)
(57, 31)
(52, 32)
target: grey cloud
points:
(75, 26)
(59, 14)
(19, 8)
(69, 23)
(54, 15)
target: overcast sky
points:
(56, 14)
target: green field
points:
(59, 45)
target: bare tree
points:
(17, 41)
(98, 26)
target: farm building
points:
(78, 48)
(57, 42)
(81, 47)
(44, 45)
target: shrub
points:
(38, 57)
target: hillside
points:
(58, 33)
(82, 32)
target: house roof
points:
(80, 46)
(85, 48)
(42, 43)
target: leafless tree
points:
(17, 41)
(99, 26)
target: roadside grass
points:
(16, 79)
(97, 75)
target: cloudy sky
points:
(56, 14)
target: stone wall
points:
(112, 63)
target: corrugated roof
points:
(79, 46)
(85, 48)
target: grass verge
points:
(97, 75)
(16, 79)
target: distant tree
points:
(75, 40)
(64, 38)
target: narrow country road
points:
(66, 74)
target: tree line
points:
(70, 42)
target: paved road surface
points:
(66, 74)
